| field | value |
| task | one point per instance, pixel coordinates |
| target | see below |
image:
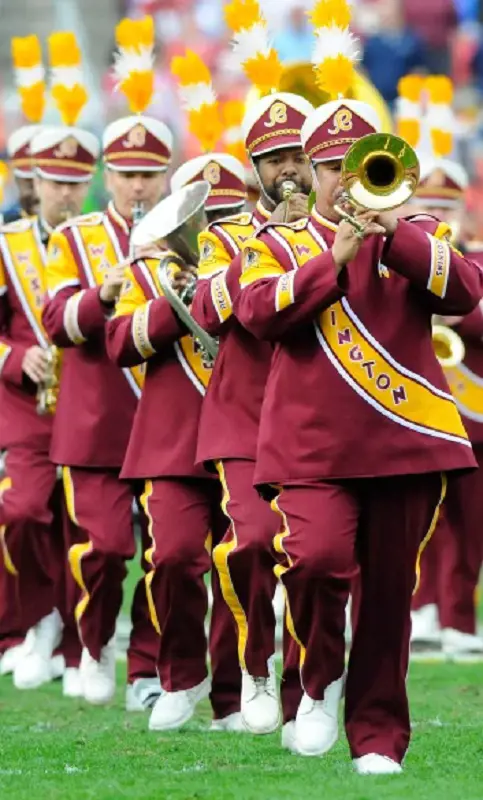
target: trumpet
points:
(138, 212)
(448, 345)
(288, 189)
(176, 222)
(379, 172)
(48, 388)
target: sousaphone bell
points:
(175, 224)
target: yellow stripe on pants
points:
(77, 551)
(144, 500)
(431, 529)
(5, 484)
(281, 569)
(221, 554)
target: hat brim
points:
(63, 175)
(279, 143)
(228, 201)
(23, 173)
(334, 152)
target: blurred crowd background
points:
(398, 36)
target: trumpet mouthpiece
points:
(288, 189)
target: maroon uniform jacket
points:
(355, 389)
(145, 329)
(97, 401)
(230, 414)
(22, 287)
(466, 380)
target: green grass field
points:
(52, 749)
(57, 749)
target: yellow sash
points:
(467, 389)
(99, 249)
(24, 257)
(381, 381)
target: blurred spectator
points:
(295, 41)
(435, 22)
(393, 51)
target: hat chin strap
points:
(271, 203)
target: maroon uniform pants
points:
(245, 562)
(144, 639)
(12, 632)
(182, 514)
(32, 531)
(450, 567)
(101, 505)
(382, 524)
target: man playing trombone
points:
(357, 433)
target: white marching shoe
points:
(316, 725)
(71, 682)
(374, 764)
(34, 668)
(288, 736)
(260, 708)
(173, 709)
(142, 694)
(425, 628)
(10, 658)
(456, 643)
(98, 678)
(232, 723)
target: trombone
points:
(175, 223)
(448, 345)
(379, 172)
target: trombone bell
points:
(448, 346)
(380, 172)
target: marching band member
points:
(357, 429)
(175, 487)
(180, 500)
(97, 401)
(25, 51)
(64, 159)
(444, 607)
(18, 150)
(229, 419)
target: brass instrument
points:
(138, 212)
(176, 223)
(288, 189)
(48, 388)
(379, 172)
(448, 345)
(299, 78)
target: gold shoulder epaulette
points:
(245, 218)
(299, 225)
(94, 218)
(18, 226)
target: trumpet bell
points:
(176, 221)
(448, 346)
(380, 172)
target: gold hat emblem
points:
(277, 115)
(342, 122)
(135, 138)
(212, 173)
(68, 148)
